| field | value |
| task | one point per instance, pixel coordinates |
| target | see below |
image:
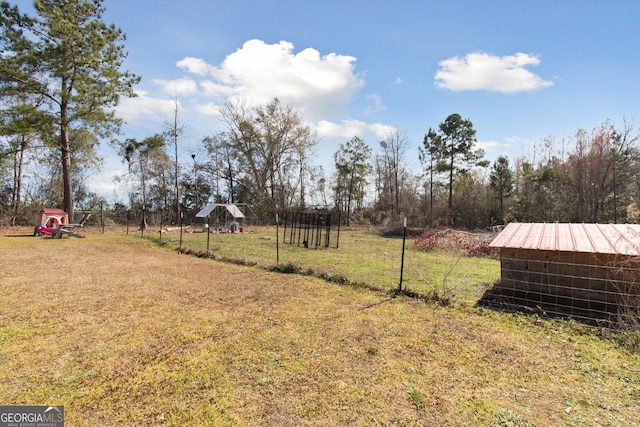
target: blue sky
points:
(519, 70)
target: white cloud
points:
(196, 66)
(487, 146)
(178, 87)
(516, 141)
(131, 109)
(483, 71)
(350, 128)
(317, 85)
(397, 81)
(209, 109)
(346, 130)
(216, 90)
(106, 186)
(377, 104)
(382, 131)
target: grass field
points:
(362, 257)
(123, 332)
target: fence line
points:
(587, 287)
(363, 256)
(595, 288)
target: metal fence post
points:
(181, 215)
(404, 238)
(208, 232)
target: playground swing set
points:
(55, 223)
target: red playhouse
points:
(48, 219)
(54, 223)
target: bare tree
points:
(271, 144)
(392, 171)
(174, 130)
(142, 158)
(221, 166)
(597, 169)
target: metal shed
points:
(587, 271)
(220, 210)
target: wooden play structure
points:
(55, 223)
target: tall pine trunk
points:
(65, 153)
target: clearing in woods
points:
(123, 332)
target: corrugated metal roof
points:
(234, 211)
(623, 239)
(231, 208)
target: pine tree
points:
(68, 56)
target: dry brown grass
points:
(122, 332)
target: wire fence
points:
(599, 289)
(356, 254)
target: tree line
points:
(60, 77)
